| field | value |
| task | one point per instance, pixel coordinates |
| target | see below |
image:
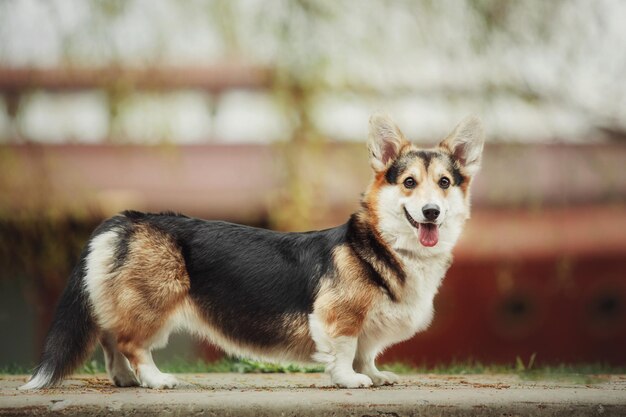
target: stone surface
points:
(311, 395)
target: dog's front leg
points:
(337, 354)
(365, 362)
(341, 371)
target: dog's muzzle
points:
(428, 232)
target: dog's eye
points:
(444, 182)
(410, 182)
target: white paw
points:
(125, 380)
(159, 381)
(351, 380)
(121, 374)
(383, 378)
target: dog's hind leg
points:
(137, 302)
(140, 358)
(117, 365)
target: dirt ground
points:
(312, 395)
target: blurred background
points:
(256, 112)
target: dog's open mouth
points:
(428, 232)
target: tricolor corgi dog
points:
(338, 296)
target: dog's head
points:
(420, 197)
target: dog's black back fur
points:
(246, 278)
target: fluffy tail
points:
(71, 336)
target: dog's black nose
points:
(431, 211)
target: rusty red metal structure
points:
(214, 79)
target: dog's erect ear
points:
(385, 141)
(466, 143)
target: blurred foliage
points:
(39, 252)
(42, 248)
(297, 81)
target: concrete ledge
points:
(311, 395)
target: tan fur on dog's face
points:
(429, 172)
(408, 178)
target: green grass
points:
(573, 373)
(525, 369)
(179, 365)
(242, 366)
(13, 369)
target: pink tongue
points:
(428, 234)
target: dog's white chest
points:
(395, 321)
